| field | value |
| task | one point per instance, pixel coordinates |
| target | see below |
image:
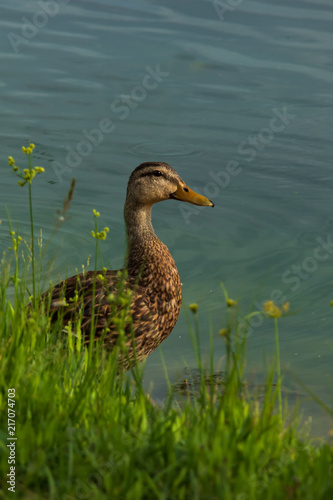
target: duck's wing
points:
(120, 307)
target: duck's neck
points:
(140, 237)
(144, 249)
(139, 228)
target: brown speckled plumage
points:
(150, 277)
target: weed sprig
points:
(27, 175)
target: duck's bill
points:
(184, 193)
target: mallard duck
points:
(150, 275)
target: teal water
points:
(238, 99)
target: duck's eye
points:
(157, 173)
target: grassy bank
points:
(85, 432)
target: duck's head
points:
(152, 182)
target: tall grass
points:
(85, 431)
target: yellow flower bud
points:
(272, 309)
(285, 307)
(11, 161)
(96, 214)
(193, 308)
(231, 303)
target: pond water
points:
(237, 97)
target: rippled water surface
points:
(239, 101)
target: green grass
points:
(85, 432)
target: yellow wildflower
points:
(285, 307)
(96, 214)
(27, 174)
(16, 241)
(29, 149)
(272, 309)
(231, 303)
(193, 308)
(101, 235)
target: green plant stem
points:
(278, 366)
(92, 324)
(15, 250)
(32, 238)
